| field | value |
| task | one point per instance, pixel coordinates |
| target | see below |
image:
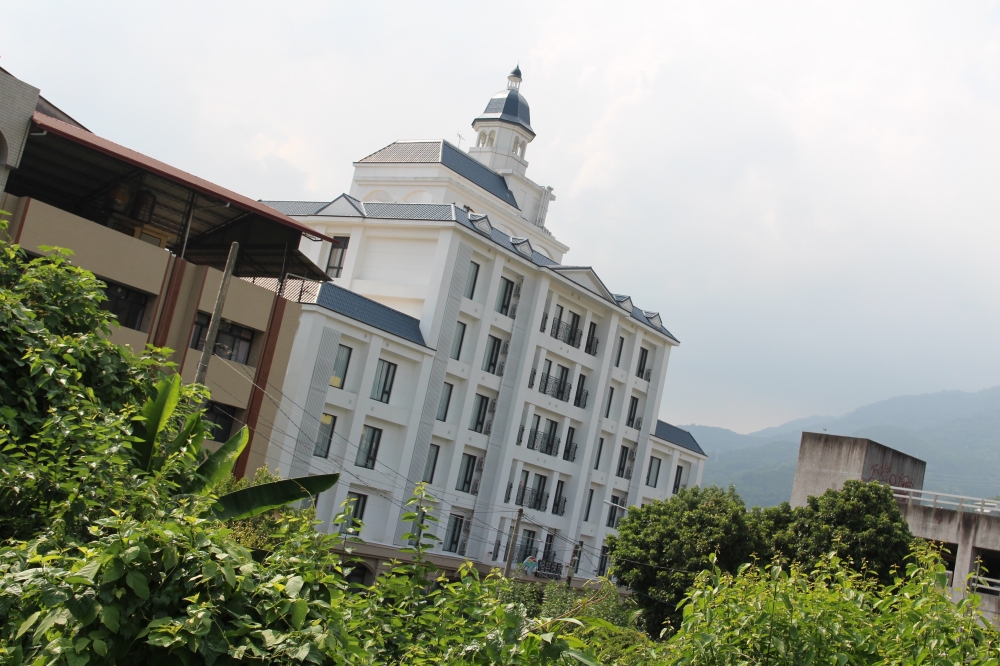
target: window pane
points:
(325, 435)
(340, 365)
(442, 414)
(385, 373)
(590, 500)
(479, 410)
(611, 396)
(597, 459)
(504, 296)
(431, 466)
(470, 285)
(336, 264)
(653, 476)
(456, 343)
(128, 305)
(355, 511)
(222, 416)
(466, 473)
(368, 450)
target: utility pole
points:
(213, 325)
(573, 564)
(511, 544)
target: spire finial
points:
(514, 80)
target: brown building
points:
(159, 238)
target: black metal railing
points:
(565, 332)
(581, 399)
(539, 501)
(545, 318)
(549, 569)
(591, 347)
(543, 441)
(569, 453)
(551, 385)
(524, 551)
(531, 378)
(520, 435)
(559, 506)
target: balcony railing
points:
(634, 422)
(569, 452)
(531, 379)
(545, 318)
(581, 399)
(549, 569)
(530, 497)
(520, 435)
(550, 385)
(559, 506)
(543, 442)
(293, 287)
(591, 347)
(524, 551)
(563, 331)
(959, 503)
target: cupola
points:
(503, 129)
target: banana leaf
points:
(219, 464)
(156, 414)
(258, 499)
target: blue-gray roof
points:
(675, 435)
(508, 106)
(442, 152)
(369, 312)
(443, 212)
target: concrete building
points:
(454, 346)
(967, 527)
(158, 237)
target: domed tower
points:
(503, 130)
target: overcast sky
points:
(807, 193)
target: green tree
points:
(661, 547)
(861, 522)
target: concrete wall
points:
(19, 100)
(827, 461)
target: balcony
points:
(549, 569)
(569, 452)
(591, 347)
(551, 385)
(543, 442)
(559, 506)
(581, 399)
(564, 332)
(528, 497)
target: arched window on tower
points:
(524, 145)
(491, 139)
(482, 140)
(517, 146)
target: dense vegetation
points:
(124, 541)
(661, 547)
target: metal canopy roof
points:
(77, 171)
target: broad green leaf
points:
(109, 618)
(293, 586)
(138, 583)
(193, 429)
(85, 574)
(258, 499)
(299, 610)
(582, 658)
(27, 624)
(156, 413)
(220, 464)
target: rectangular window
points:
(470, 283)
(385, 374)
(580, 399)
(613, 511)
(222, 416)
(643, 357)
(128, 305)
(431, 465)
(590, 500)
(611, 397)
(325, 435)
(504, 296)
(568, 452)
(653, 475)
(633, 409)
(453, 537)
(677, 478)
(465, 474)
(355, 511)
(368, 451)
(456, 342)
(232, 342)
(480, 405)
(621, 346)
(600, 449)
(527, 545)
(492, 355)
(602, 563)
(560, 487)
(549, 551)
(340, 365)
(335, 266)
(622, 462)
(442, 414)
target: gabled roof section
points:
(586, 278)
(522, 245)
(674, 435)
(639, 315)
(343, 206)
(296, 207)
(369, 312)
(442, 152)
(624, 302)
(481, 223)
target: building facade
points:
(158, 237)
(454, 347)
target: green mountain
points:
(955, 432)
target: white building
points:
(454, 347)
